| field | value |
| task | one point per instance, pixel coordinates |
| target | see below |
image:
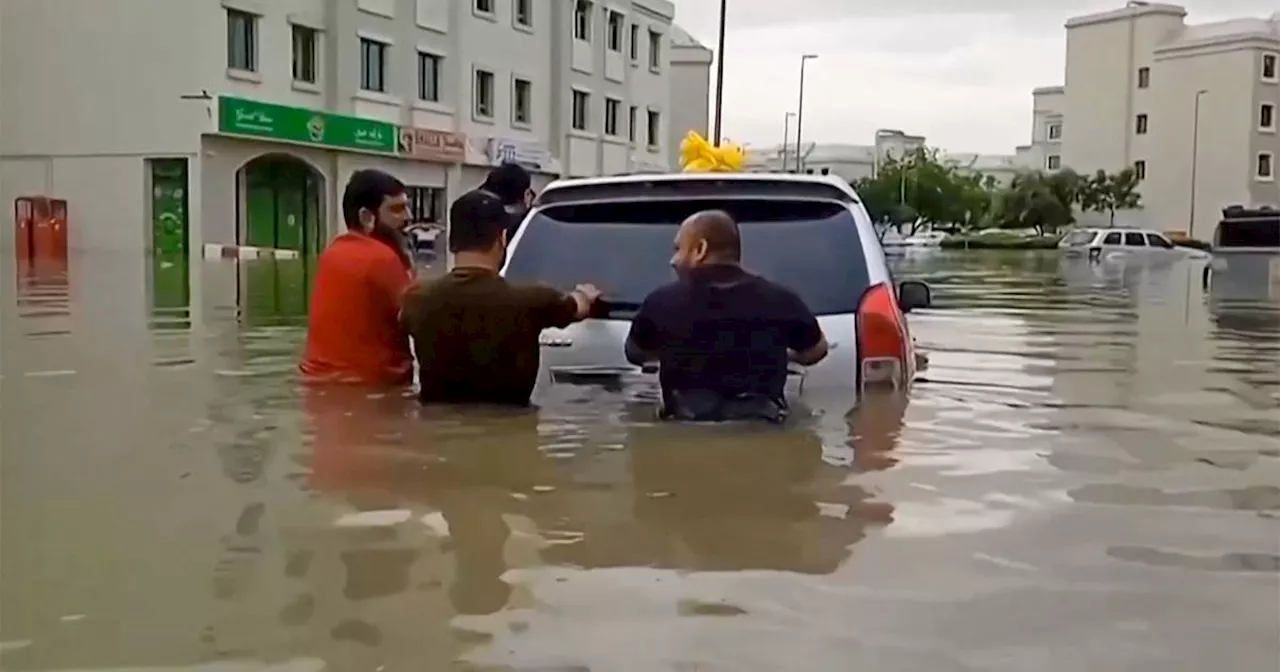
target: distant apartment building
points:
(854, 162)
(690, 90)
(1190, 107)
(171, 124)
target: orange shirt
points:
(353, 330)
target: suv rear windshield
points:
(1261, 233)
(811, 247)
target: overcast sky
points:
(959, 72)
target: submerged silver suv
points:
(808, 232)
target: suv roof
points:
(686, 177)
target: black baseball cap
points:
(476, 221)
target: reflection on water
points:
(1084, 478)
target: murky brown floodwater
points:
(1087, 478)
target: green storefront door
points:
(170, 231)
(282, 204)
(169, 222)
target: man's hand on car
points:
(586, 295)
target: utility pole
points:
(724, 7)
(800, 115)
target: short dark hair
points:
(510, 181)
(721, 233)
(476, 221)
(366, 190)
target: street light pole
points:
(786, 137)
(1195, 156)
(724, 7)
(800, 115)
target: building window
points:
(631, 124)
(1270, 68)
(1267, 117)
(1140, 169)
(1055, 131)
(373, 65)
(484, 6)
(521, 101)
(1265, 170)
(635, 42)
(242, 41)
(304, 54)
(581, 103)
(428, 77)
(1144, 78)
(524, 13)
(1140, 124)
(483, 94)
(655, 128)
(1053, 162)
(655, 50)
(424, 204)
(582, 21)
(612, 110)
(616, 22)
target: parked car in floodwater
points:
(1123, 243)
(1246, 256)
(808, 232)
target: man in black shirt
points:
(722, 337)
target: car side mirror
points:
(913, 294)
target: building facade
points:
(1190, 107)
(690, 85)
(236, 122)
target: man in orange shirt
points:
(354, 333)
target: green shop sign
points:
(238, 116)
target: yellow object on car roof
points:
(697, 155)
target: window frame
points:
(522, 14)
(1270, 158)
(516, 82)
(582, 11)
(310, 51)
(634, 53)
(580, 114)
(1053, 131)
(612, 116)
(1270, 109)
(1144, 77)
(653, 122)
(655, 51)
(1053, 162)
(1140, 169)
(1273, 58)
(1141, 124)
(248, 21)
(368, 47)
(436, 61)
(488, 88)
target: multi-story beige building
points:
(236, 122)
(1190, 107)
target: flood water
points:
(1087, 477)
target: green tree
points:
(1109, 192)
(1039, 201)
(921, 189)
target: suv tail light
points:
(882, 339)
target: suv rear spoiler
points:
(692, 189)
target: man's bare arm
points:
(813, 355)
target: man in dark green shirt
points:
(475, 335)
